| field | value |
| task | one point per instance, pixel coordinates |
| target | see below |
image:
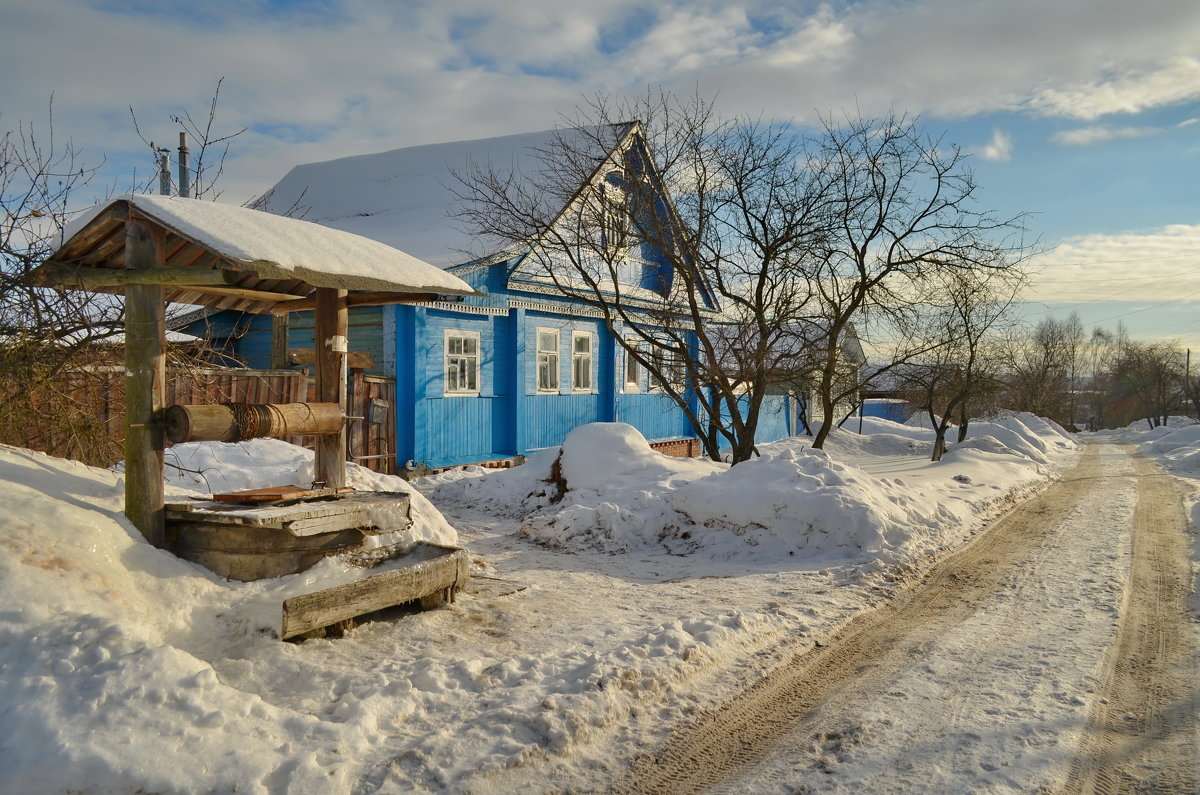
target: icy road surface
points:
(1053, 653)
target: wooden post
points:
(279, 342)
(145, 379)
(332, 320)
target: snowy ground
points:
(610, 601)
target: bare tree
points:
(1040, 365)
(54, 366)
(210, 149)
(1149, 379)
(792, 236)
(961, 366)
(901, 216)
(692, 214)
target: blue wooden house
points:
(485, 378)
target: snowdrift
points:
(103, 682)
(606, 490)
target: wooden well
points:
(155, 250)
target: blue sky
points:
(1084, 113)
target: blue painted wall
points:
(776, 417)
(896, 411)
(248, 337)
(508, 415)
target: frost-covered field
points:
(626, 592)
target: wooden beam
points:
(446, 572)
(85, 278)
(356, 360)
(332, 323)
(358, 299)
(248, 293)
(99, 228)
(145, 383)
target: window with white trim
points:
(581, 361)
(462, 362)
(547, 359)
(633, 370)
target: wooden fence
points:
(95, 397)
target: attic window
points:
(614, 215)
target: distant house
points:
(488, 377)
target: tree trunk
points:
(939, 443)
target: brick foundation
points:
(680, 448)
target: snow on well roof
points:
(406, 197)
(275, 247)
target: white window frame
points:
(577, 358)
(549, 355)
(472, 361)
(633, 368)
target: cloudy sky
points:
(1085, 113)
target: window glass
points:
(581, 361)
(547, 360)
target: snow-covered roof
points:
(286, 248)
(407, 197)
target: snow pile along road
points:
(605, 489)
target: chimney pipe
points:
(164, 171)
(185, 177)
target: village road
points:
(1054, 653)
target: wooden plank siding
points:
(248, 338)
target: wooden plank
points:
(98, 229)
(279, 342)
(355, 360)
(276, 494)
(145, 367)
(250, 294)
(449, 571)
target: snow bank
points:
(800, 502)
(108, 645)
(606, 490)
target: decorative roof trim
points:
(466, 309)
(558, 309)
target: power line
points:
(1101, 298)
(1144, 309)
(1118, 261)
(1118, 279)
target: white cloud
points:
(1151, 265)
(374, 74)
(1136, 90)
(1086, 136)
(999, 148)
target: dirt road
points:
(982, 676)
(1141, 734)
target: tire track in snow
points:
(1142, 734)
(866, 653)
